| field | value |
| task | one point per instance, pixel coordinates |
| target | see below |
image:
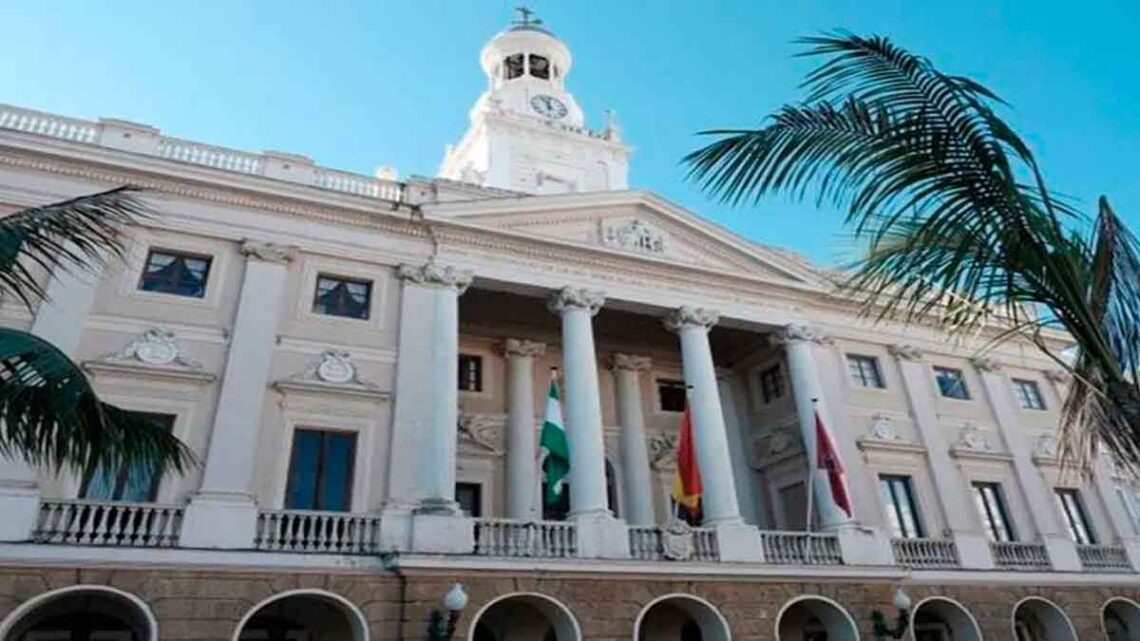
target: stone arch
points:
(944, 619)
(670, 617)
(524, 615)
(114, 608)
(326, 616)
(1120, 619)
(1042, 620)
(813, 612)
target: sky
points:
(359, 85)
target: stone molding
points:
(523, 348)
(268, 252)
(687, 316)
(432, 274)
(904, 352)
(630, 363)
(987, 365)
(576, 298)
(799, 333)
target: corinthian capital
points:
(905, 352)
(268, 252)
(523, 348)
(432, 274)
(630, 362)
(986, 364)
(576, 298)
(688, 316)
(790, 334)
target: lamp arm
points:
(883, 630)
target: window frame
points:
(859, 375)
(891, 482)
(939, 371)
(775, 376)
(1081, 516)
(661, 384)
(1029, 396)
(319, 482)
(999, 527)
(343, 280)
(177, 254)
(480, 374)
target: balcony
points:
(801, 548)
(655, 543)
(1104, 558)
(114, 524)
(1018, 555)
(317, 532)
(525, 539)
(925, 554)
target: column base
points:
(439, 506)
(20, 505)
(973, 551)
(737, 542)
(601, 536)
(442, 533)
(225, 521)
(865, 546)
(1062, 553)
(396, 527)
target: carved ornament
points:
(482, 430)
(687, 316)
(523, 348)
(634, 234)
(905, 352)
(576, 299)
(630, 363)
(432, 274)
(986, 364)
(662, 451)
(268, 252)
(798, 333)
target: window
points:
(671, 395)
(470, 373)
(175, 273)
(951, 383)
(1069, 501)
(1028, 394)
(1129, 502)
(864, 371)
(771, 383)
(514, 66)
(991, 505)
(902, 511)
(539, 67)
(470, 498)
(336, 296)
(320, 471)
(139, 484)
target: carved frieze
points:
(432, 274)
(635, 235)
(576, 298)
(663, 451)
(687, 316)
(483, 431)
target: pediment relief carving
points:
(331, 372)
(663, 451)
(481, 433)
(153, 352)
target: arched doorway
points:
(525, 616)
(940, 619)
(1037, 619)
(1121, 620)
(303, 615)
(815, 618)
(680, 616)
(82, 613)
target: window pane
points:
(891, 508)
(301, 490)
(539, 67)
(175, 273)
(470, 373)
(864, 370)
(336, 472)
(469, 497)
(342, 297)
(514, 66)
(671, 395)
(1028, 395)
(100, 485)
(138, 484)
(906, 508)
(951, 383)
(1070, 504)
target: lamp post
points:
(441, 628)
(882, 629)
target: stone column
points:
(223, 513)
(733, 396)
(522, 452)
(638, 486)
(1038, 496)
(599, 533)
(962, 520)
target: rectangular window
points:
(991, 506)
(175, 273)
(469, 496)
(320, 471)
(337, 296)
(1069, 502)
(951, 383)
(671, 395)
(864, 371)
(1128, 504)
(470, 373)
(137, 484)
(902, 510)
(771, 383)
(1028, 394)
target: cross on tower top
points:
(526, 18)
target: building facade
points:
(360, 366)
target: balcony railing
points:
(108, 523)
(801, 548)
(925, 553)
(327, 532)
(535, 539)
(1019, 555)
(1104, 558)
(654, 543)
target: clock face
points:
(548, 106)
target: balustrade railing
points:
(328, 532)
(1104, 558)
(925, 553)
(50, 125)
(1020, 555)
(210, 156)
(654, 543)
(108, 523)
(369, 187)
(801, 548)
(511, 538)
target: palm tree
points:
(958, 226)
(49, 413)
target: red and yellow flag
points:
(687, 481)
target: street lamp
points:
(440, 628)
(879, 620)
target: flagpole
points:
(813, 460)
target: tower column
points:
(637, 488)
(522, 462)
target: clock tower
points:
(527, 132)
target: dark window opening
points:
(772, 384)
(137, 484)
(902, 510)
(470, 373)
(336, 296)
(1076, 519)
(991, 506)
(320, 471)
(539, 67)
(469, 496)
(175, 273)
(951, 383)
(671, 395)
(514, 66)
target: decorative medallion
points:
(335, 367)
(677, 540)
(1046, 446)
(155, 346)
(974, 438)
(883, 428)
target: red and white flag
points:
(827, 459)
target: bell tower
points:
(527, 132)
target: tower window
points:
(514, 66)
(539, 67)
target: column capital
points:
(432, 274)
(576, 298)
(987, 365)
(687, 316)
(630, 363)
(522, 347)
(906, 352)
(799, 333)
(268, 252)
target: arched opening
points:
(524, 617)
(1121, 620)
(303, 615)
(680, 616)
(1036, 619)
(81, 613)
(815, 618)
(941, 619)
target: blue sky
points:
(356, 85)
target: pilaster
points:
(522, 452)
(637, 486)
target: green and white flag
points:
(555, 452)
